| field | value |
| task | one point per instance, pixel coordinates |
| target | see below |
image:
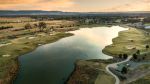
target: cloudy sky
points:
(77, 5)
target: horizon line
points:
(79, 11)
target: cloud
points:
(76, 5)
(6, 2)
(35, 4)
(139, 5)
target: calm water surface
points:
(52, 63)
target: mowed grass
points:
(128, 42)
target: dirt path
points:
(114, 65)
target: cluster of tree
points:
(28, 26)
(40, 25)
(138, 55)
(135, 55)
(123, 56)
(5, 27)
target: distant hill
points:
(33, 12)
(40, 12)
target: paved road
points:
(114, 65)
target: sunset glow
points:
(77, 5)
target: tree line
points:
(5, 27)
(135, 55)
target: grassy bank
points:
(144, 80)
(91, 72)
(128, 42)
(94, 25)
(19, 46)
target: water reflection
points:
(99, 36)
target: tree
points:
(28, 26)
(42, 26)
(120, 56)
(135, 56)
(147, 47)
(35, 25)
(125, 56)
(124, 70)
(138, 52)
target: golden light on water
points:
(94, 36)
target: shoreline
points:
(36, 48)
(127, 42)
(17, 61)
(12, 73)
(82, 67)
(106, 60)
(105, 51)
(33, 48)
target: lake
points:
(53, 63)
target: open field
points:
(49, 23)
(128, 42)
(13, 19)
(18, 28)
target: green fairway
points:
(128, 42)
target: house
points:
(138, 25)
(121, 66)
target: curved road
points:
(114, 65)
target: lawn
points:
(128, 42)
